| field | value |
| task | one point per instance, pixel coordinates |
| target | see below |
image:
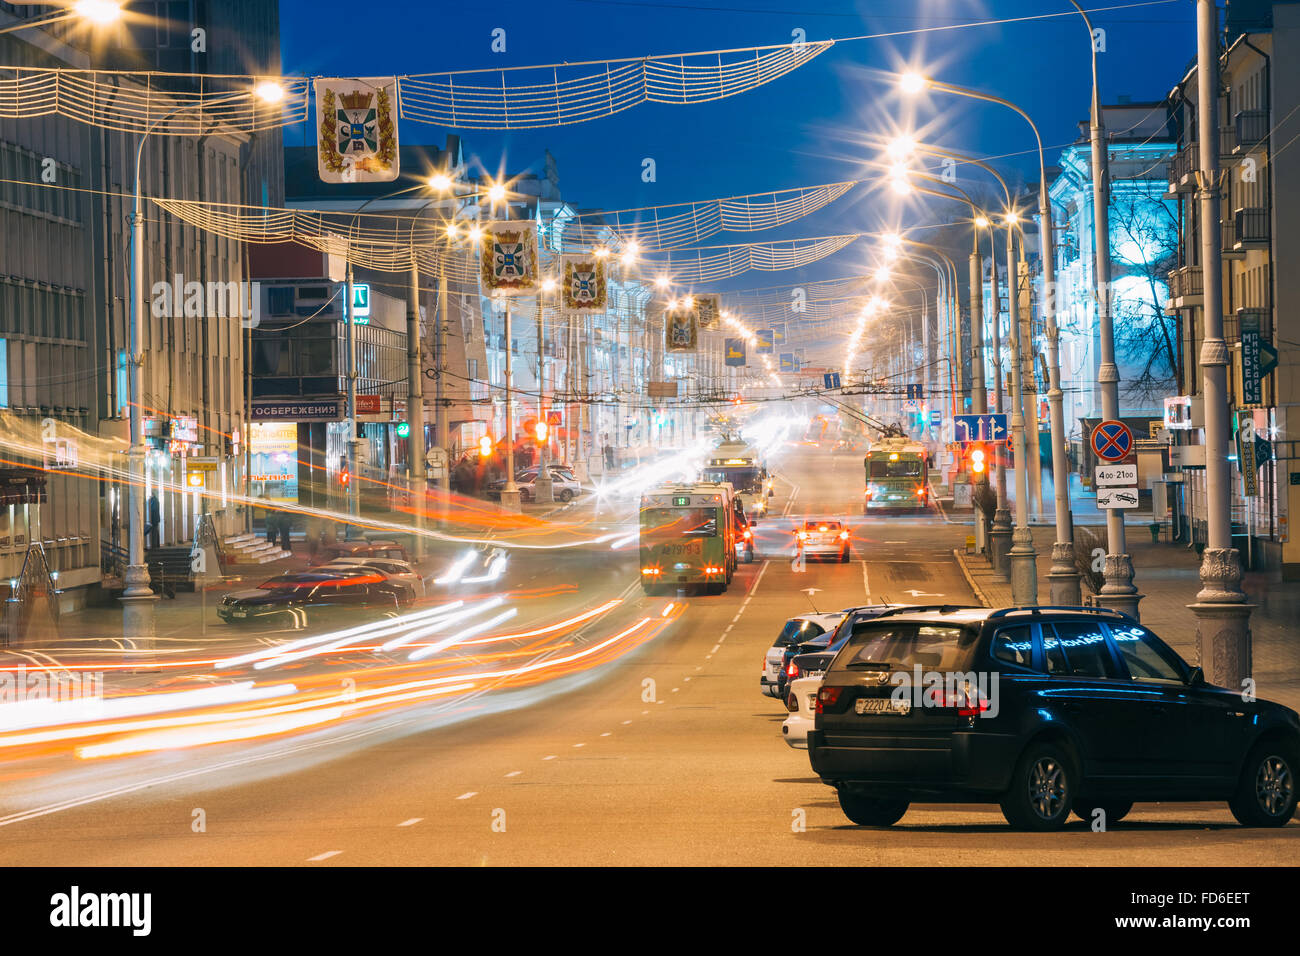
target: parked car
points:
(564, 486)
(306, 597)
(801, 701)
(794, 632)
(394, 570)
(1043, 711)
(385, 550)
(830, 641)
(823, 539)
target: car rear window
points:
(1084, 648)
(796, 632)
(939, 647)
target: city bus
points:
(688, 537)
(896, 476)
(738, 465)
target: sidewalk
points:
(1168, 575)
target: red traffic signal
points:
(485, 446)
(977, 459)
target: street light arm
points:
(990, 98)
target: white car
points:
(802, 703)
(390, 568)
(823, 539)
(796, 631)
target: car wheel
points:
(1266, 795)
(565, 496)
(1042, 789)
(871, 811)
(1114, 810)
(844, 556)
(749, 555)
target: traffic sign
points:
(831, 379)
(1112, 441)
(968, 428)
(1110, 499)
(936, 417)
(915, 392)
(1117, 474)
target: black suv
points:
(1044, 711)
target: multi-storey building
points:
(1260, 229)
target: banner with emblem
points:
(708, 310)
(681, 329)
(357, 138)
(582, 284)
(735, 353)
(508, 258)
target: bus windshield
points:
(900, 468)
(680, 522)
(743, 478)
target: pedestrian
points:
(153, 528)
(286, 526)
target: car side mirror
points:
(1195, 677)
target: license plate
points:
(881, 705)
(239, 613)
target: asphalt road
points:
(670, 755)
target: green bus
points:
(688, 538)
(896, 476)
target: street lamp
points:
(1064, 578)
(98, 13)
(137, 596)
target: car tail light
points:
(792, 671)
(867, 494)
(968, 703)
(792, 703)
(828, 698)
(651, 571)
(844, 536)
(749, 534)
(920, 492)
(803, 535)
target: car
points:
(1043, 711)
(394, 570)
(564, 486)
(301, 598)
(385, 550)
(744, 537)
(793, 664)
(801, 700)
(823, 539)
(794, 632)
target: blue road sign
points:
(832, 379)
(936, 417)
(968, 428)
(915, 393)
(765, 339)
(1112, 441)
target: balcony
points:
(1185, 163)
(1250, 228)
(1249, 129)
(1186, 288)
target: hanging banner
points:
(582, 284)
(735, 353)
(766, 341)
(508, 258)
(778, 335)
(708, 309)
(681, 329)
(357, 139)
(788, 362)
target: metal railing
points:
(34, 582)
(1186, 281)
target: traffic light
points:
(977, 458)
(485, 446)
(345, 476)
(540, 431)
(403, 429)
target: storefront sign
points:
(298, 410)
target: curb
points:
(970, 581)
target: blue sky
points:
(809, 127)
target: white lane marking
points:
(714, 650)
(727, 629)
(514, 773)
(866, 583)
(466, 796)
(645, 712)
(789, 501)
(684, 679)
(323, 856)
(761, 572)
(411, 822)
(626, 722)
(708, 657)
(551, 757)
(676, 689)
(605, 734)
(579, 745)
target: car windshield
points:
(935, 647)
(822, 526)
(797, 631)
(900, 468)
(744, 479)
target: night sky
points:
(808, 127)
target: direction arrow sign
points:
(1112, 441)
(969, 428)
(1112, 498)
(831, 379)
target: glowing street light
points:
(496, 193)
(99, 12)
(912, 82)
(440, 182)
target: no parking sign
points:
(1112, 441)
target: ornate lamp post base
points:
(1024, 568)
(138, 603)
(1118, 593)
(510, 500)
(1063, 578)
(1000, 542)
(1223, 620)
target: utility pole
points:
(350, 313)
(1022, 557)
(510, 493)
(1223, 637)
(1000, 532)
(439, 390)
(415, 407)
(543, 488)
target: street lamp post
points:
(1223, 637)
(510, 499)
(544, 487)
(1023, 557)
(1064, 578)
